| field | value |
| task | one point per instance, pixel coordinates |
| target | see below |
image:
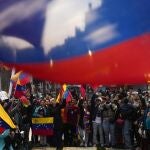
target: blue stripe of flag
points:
(42, 126)
(3, 124)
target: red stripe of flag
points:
(43, 132)
(2, 130)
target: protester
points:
(86, 123)
(40, 111)
(72, 120)
(126, 111)
(110, 118)
(56, 112)
(97, 123)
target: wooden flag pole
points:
(11, 84)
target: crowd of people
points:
(109, 118)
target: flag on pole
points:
(15, 77)
(67, 95)
(62, 90)
(64, 93)
(21, 78)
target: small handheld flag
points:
(42, 126)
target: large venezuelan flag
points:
(42, 126)
(94, 41)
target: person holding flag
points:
(56, 108)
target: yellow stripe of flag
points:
(44, 120)
(64, 88)
(58, 98)
(5, 117)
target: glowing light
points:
(51, 63)
(90, 53)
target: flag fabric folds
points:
(21, 78)
(67, 95)
(19, 91)
(5, 117)
(42, 126)
(82, 91)
(64, 94)
(95, 44)
(3, 126)
(60, 95)
(24, 101)
(15, 77)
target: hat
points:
(3, 95)
(99, 99)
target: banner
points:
(42, 126)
